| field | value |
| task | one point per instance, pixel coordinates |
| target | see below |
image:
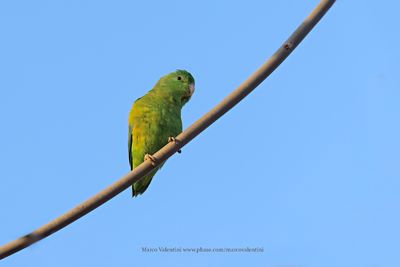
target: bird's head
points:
(178, 85)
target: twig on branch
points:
(172, 147)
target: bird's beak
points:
(191, 88)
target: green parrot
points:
(155, 119)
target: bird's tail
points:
(140, 186)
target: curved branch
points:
(186, 136)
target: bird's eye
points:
(179, 78)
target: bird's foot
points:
(171, 139)
(151, 158)
(176, 141)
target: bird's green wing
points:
(130, 127)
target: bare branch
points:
(172, 147)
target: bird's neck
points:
(166, 98)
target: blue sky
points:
(306, 167)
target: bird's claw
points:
(176, 141)
(151, 158)
(172, 139)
